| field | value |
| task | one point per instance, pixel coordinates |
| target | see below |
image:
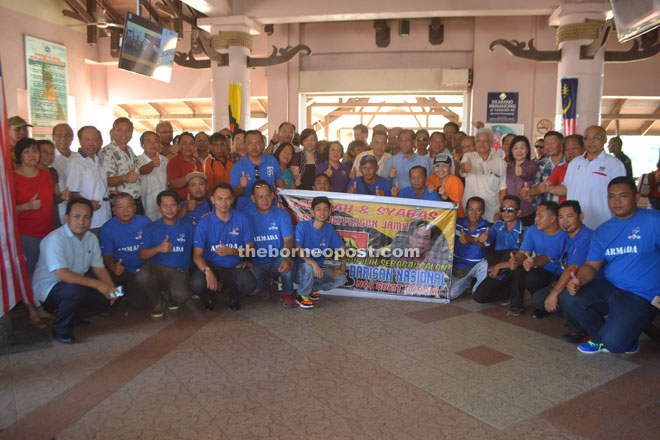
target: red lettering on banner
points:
(342, 207)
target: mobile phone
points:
(118, 292)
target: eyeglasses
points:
(257, 173)
(508, 209)
(593, 138)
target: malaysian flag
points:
(14, 281)
(569, 105)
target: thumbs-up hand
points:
(191, 204)
(379, 192)
(467, 166)
(118, 268)
(545, 185)
(463, 238)
(222, 249)
(34, 203)
(573, 284)
(528, 264)
(276, 137)
(483, 237)
(441, 190)
(392, 173)
(156, 160)
(352, 174)
(519, 169)
(328, 172)
(166, 246)
(395, 190)
(353, 188)
(524, 192)
(66, 194)
(244, 180)
(132, 176)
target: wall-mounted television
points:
(635, 17)
(147, 48)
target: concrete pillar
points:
(236, 72)
(572, 33)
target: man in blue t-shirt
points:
(575, 254)
(370, 183)
(548, 242)
(417, 188)
(254, 165)
(314, 238)
(629, 246)
(470, 249)
(167, 245)
(198, 202)
(273, 243)
(223, 239)
(120, 239)
(507, 235)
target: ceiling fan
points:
(100, 21)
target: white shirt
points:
(381, 162)
(151, 184)
(60, 164)
(86, 176)
(486, 179)
(586, 181)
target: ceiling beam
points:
(80, 10)
(191, 106)
(621, 116)
(112, 13)
(386, 104)
(646, 127)
(127, 109)
(615, 110)
(152, 11)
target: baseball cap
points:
(17, 121)
(194, 174)
(368, 158)
(442, 159)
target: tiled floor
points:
(348, 369)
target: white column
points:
(590, 73)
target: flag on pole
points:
(234, 106)
(569, 105)
(14, 281)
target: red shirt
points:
(557, 178)
(40, 222)
(179, 167)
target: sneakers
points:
(304, 302)
(288, 301)
(634, 349)
(515, 311)
(591, 348)
(172, 306)
(314, 296)
(540, 314)
(157, 310)
(574, 337)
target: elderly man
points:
(393, 140)
(397, 167)
(361, 133)
(587, 177)
(165, 134)
(485, 174)
(422, 142)
(86, 177)
(553, 150)
(153, 173)
(62, 139)
(120, 163)
(378, 145)
(59, 282)
(183, 164)
(202, 146)
(284, 134)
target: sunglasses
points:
(257, 173)
(539, 146)
(508, 209)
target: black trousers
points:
(493, 290)
(535, 279)
(238, 282)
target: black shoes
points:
(64, 339)
(209, 305)
(540, 314)
(235, 305)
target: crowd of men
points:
(197, 215)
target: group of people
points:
(196, 215)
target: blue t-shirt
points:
(577, 248)
(179, 234)
(541, 243)
(269, 170)
(382, 184)
(200, 209)
(269, 231)
(505, 239)
(630, 249)
(409, 193)
(308, 237)
(123, 240)
(467, 255)
(235, 233)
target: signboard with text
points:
(502, 107)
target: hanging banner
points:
(569, 105)
(396, 248)
(45, 67)
(234, 106)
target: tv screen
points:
(147, 48)
(635, 17)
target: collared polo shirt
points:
(409, 193)
(122, 240)
(586, 181)
(179, 167)
(180, 235)
(403, 165)
(486, 179)
(269, 229)
(577, 248)
(467, 255)
(235, 233)
(86, 176)
(552, 246)
(62, 250)
(269, 170)
(317, 241)
(505, 239)
(117, 163)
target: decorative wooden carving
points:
(285, 54)
(527, 50)
(644, 47)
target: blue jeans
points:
(31, 251)
(627, 314)
(308, 283)
(73, 303)
(266, 272)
